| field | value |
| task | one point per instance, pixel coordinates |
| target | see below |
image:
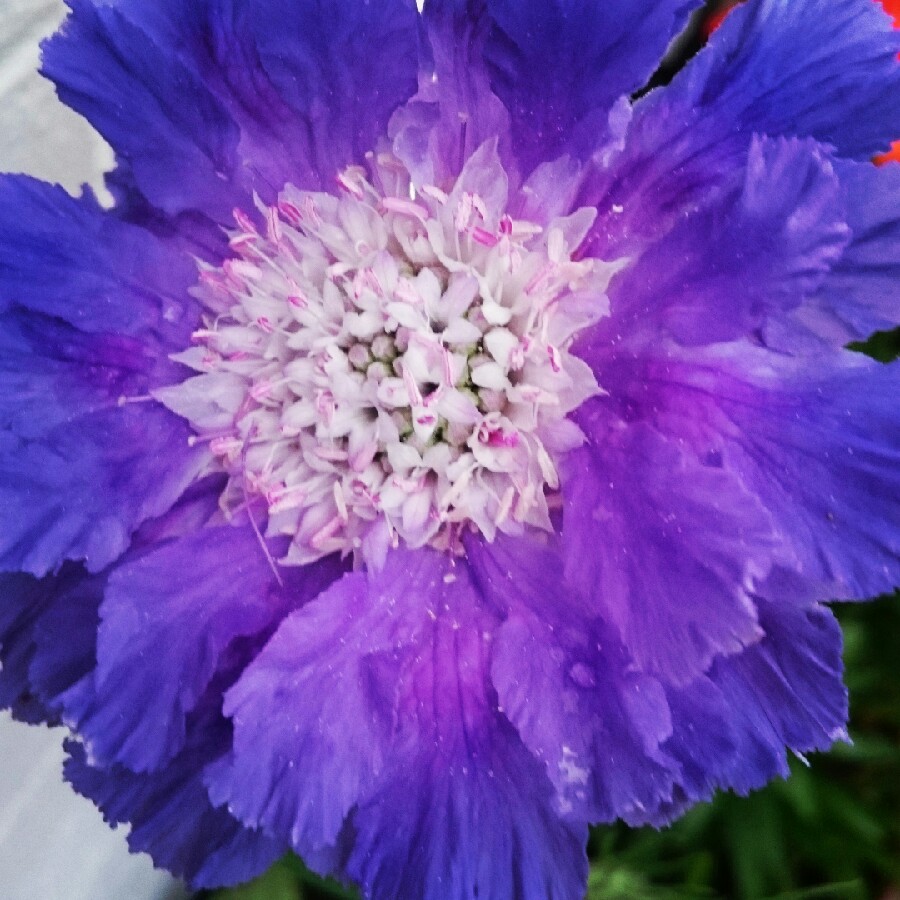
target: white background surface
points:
(53, 844)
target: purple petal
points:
(572, 693)
(369, 722)
(455, 111)
(859, 296)
(785, 692)
(815, 441)
(208, 102)
(48, 626)
(91, 309)
(811, 68)
(469, 826)
(560, 67)
(753, 252)
(167, 619)
(170, 815)
(666, 546)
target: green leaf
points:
(279, 883)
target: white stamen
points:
(394, 348)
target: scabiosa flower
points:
(433, 450)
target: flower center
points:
(390, 364)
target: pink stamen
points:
(405, 208)
(243, 221)
(286, 498)
(447, 366)
(241, 270)
(242, 242)
(273, 224)
(412, 389)
(506, 504)
(553, 356)
(341, 503)
(331, 454)
(325, 405)
(229, 447)
(352, 180)
(484, 237)
(329, 530)
(311, 211)
(435, 193)
(493, 436)
(539, 278)
(291, 213)
(262, 390)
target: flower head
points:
(435, 449)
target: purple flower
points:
(434, 451)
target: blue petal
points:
(859, 296)
(665, 545)
(820, 446)
(576, 698)
(754, 251)
(823, 69)
(167, 619)
(814, 440)
(207, 102)
(785, 692)
(170, 815)
(90, 310)
(560, 67)
(23, 599)
(369, 724)
(177, 138)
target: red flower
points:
(892, 7)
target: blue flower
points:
(433, 450)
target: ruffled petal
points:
(90, 310)
(176, 137)
(431, 793)
(546, 79)
(561, 67)
(23, 599)
(785, 693)
(477, 825)
(811, 68)
(859, 296)
(170, 815)
(666, 546)
(825, 69)
(48, 626)
(575, 697)
(455, 110)
(51, 652)
(754, 251)
(167, 619)
(816, 442)
(167, 85)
